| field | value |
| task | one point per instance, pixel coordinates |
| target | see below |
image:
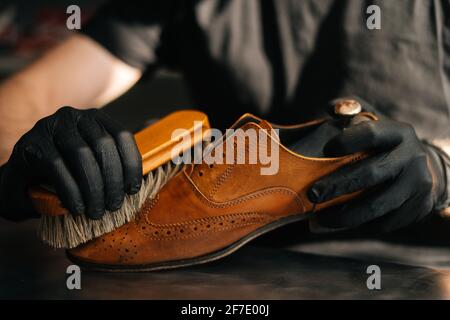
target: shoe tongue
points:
(265, 125)
(248, 119)
(269, 129)
(242, 123)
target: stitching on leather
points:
(153, 202)
(229, 169)
(286, 150)
(203, 222)
(198, 234)
(208, 219)
(225, 175)
(260, 194)
(147, 208)
(254, 217)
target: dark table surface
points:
(312, 269)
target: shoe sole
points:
(216, 255)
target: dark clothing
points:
(284, 59)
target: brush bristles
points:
(69, 231)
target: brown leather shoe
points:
(208, 211)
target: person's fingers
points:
(128, 151)
(85, 169)
(368, 207)
(365, 136)
(105, 151)
(362, 175)
(48, 164)
(412, 211)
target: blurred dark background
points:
(28, 28)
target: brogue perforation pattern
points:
(127, 249)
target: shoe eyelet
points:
(211, 166)
(200, 173)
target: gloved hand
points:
(85, 156)
(404, 178)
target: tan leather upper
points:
(206, 208)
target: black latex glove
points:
(405, 177)
(84, 155)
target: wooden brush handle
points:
(46, 202)
(155, 144)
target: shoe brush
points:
(156, 143)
